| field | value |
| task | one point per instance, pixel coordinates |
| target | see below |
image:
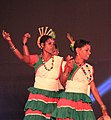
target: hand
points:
(25, 38)
(70, 62)
(6, 36)
(68, 58)
(70, 38)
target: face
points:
(84, 52)
(49, 46)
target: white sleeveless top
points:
(80, 82)
(49, 80)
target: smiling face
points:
(84, 52)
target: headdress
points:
(72, 46)
(45, 31)
(72, 42)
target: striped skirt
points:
(73, 106)
(40, 104)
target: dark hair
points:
(80, 43)
(44, 38)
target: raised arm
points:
(7, 37)
(24, 42)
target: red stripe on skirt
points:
(79, 105)
(42, 98)
(37, 112)
(65, 119)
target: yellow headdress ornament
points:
(45, 31)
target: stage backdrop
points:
(87, 19)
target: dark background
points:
(87, 19)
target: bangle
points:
(12, 47)
(24, 44)
(103, 107)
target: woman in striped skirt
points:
(43, 96)
(75, 103)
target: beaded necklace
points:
(86, 74)
(52, 64)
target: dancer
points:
(75, 103)
(43, 95)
